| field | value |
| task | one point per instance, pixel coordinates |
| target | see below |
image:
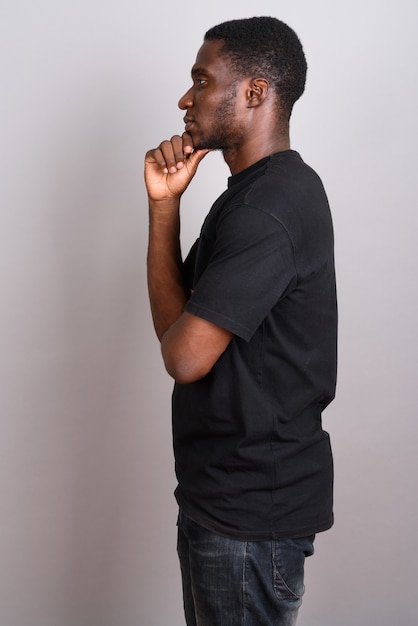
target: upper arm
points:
(246, 264)
(191, 347)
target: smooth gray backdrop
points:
(87, 515)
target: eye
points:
(200, 81)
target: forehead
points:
(210, 60)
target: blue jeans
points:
(227, 582)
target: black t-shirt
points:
(252, 459)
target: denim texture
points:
(228, 582)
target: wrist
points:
(164, 205)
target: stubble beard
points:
(225, 133)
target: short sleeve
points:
(250, 268)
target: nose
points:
(186, 101)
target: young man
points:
(247, 326)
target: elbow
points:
(183, 372)
(181, 367)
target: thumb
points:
(196, 156)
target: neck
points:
(241, 157)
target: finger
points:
(178, 149)
(168, 157)
(187, 143)
(155, 156)
(173, 153)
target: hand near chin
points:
(170, 167)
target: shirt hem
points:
(262, 535)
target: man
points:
(247, 326)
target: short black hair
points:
(267, 47)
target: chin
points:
(211, 143)
(207, 145)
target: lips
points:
(188, 123)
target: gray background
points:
(87, 515)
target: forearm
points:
(167, 292)
(168, 172)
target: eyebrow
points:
(198, 70)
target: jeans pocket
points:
(288, 566)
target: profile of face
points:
(213, 113)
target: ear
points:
(257, 91)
